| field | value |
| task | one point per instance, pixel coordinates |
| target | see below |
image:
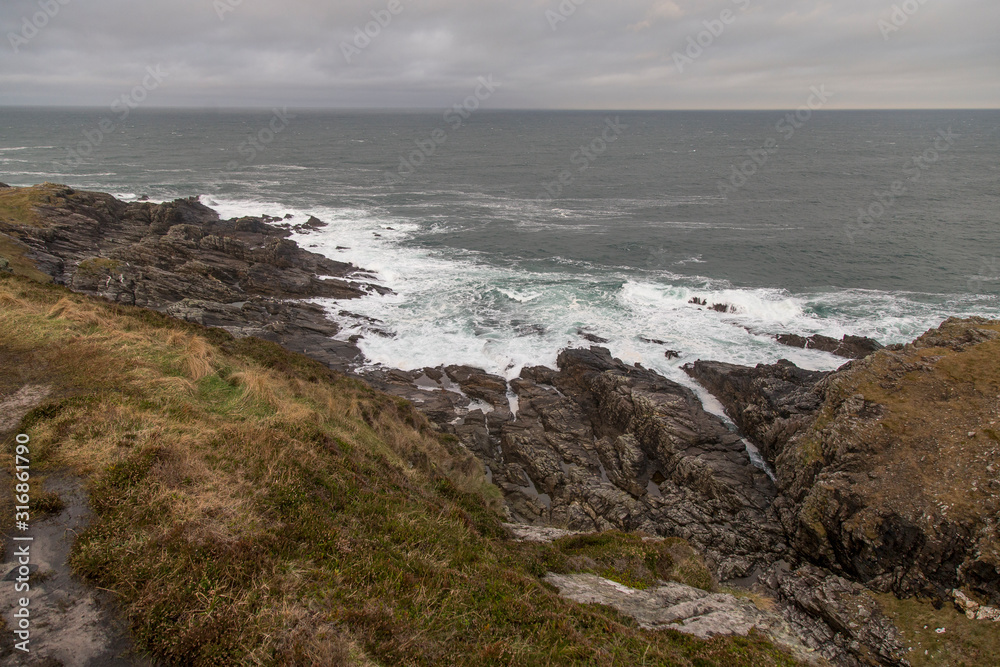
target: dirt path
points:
(72, 624)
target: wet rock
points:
(769, 403)
(591, 337)
(478, 384)
(849, 347)
(311, 225)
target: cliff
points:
(368, 514)
(245, 504)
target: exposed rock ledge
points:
(243, 274)
(889, 469)
(600, 445)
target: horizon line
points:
(268, 107)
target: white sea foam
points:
(452, 307)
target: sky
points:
(537, 54)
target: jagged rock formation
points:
(242, 275)
(774, 401)
(599, 445)
(836, 618)
(889, 468)
(849, 347)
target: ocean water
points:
(506, 234)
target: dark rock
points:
(654, 341)
(591, 337)
(4, 185)
(672, 354)
(311, 225)
(479, 384)
(723, 308)
(850, 347)
(698, 302)
(837, 618)
(598, 445)
(180, 257)
(887, 475)
(769, 403)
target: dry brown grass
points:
(265, 511)
(934, 440)
(197, 354)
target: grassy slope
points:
(252, 507)
(935, 450)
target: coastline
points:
(593, 444)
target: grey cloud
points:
(604, 55)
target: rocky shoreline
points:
(596, 444)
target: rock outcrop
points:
(769, 403)
(243, 274)
(836, 618)
(599, 445)
(675, 606)
(889, 468)
(849, 347)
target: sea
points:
(507, 236)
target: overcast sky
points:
(607, 54)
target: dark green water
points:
(498, 263)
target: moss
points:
(17, 205)
(810, 451)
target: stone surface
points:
(974, 610)
(889, 469)
(675, 606)
(850, 347)
(520, 532)
(835, 617)
(242, 274)
(769, 403)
